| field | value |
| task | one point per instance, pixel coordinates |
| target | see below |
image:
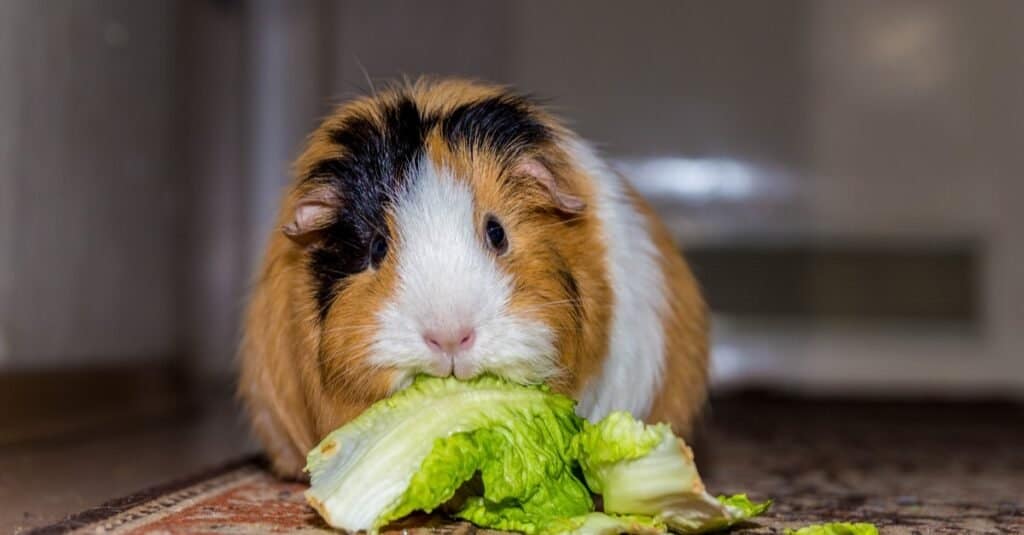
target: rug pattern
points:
(247, 499)
(911, 469)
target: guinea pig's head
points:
(443, 228)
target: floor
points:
(885, 462)
(923, 467)
(46, 479)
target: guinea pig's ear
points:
(564, 199)
(315, 211)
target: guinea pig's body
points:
(452, 228)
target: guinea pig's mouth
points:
(452, 365)
(405, 378)
(464, 371)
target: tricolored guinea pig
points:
(455, 228)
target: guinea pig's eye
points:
(378, 250)
(495, 235)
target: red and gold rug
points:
(245, 498)
(242, 497)
(909, 468)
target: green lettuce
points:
(646, 470)
(836, 528)
(510, 457)
(740, 506)
(605, 524)
(414, 450)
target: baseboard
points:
(51, 403)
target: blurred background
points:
(846, 177)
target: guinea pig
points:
(453, 228)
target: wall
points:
(915, 114)
(148, 147)
(90, 204)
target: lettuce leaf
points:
(742, 508)
(513, 455)
(646, 470)
(605, 524)
(412, 451)
(836, 528)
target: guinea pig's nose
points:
(450, 341)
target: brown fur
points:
(300, 381)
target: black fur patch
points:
(370, 176)
(375, 170)
(503, 125)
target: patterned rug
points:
(242, 497)
(910, 469)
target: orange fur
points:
(301, 380)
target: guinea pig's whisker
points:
(559, 378)
(373, 225)
(561, 222)
(551, 305)
(356, 324)
(541, 306)
(344, 329)
(351, 244)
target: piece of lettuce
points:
(605, 524)
(739, 505)
(836, 528)
(646, 470)
(412, 451)
(511, 454)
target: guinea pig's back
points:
(683, 391)
(657, 360)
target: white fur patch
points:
(446, 278)
(632, 373)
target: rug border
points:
(119, 505)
